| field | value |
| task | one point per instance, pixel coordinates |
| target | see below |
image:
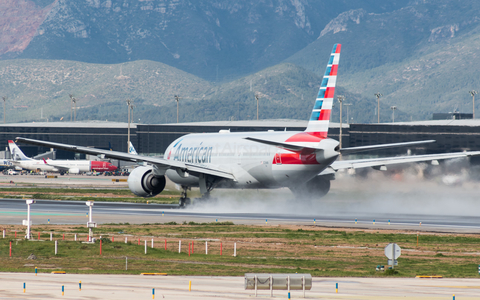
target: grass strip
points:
(279, 249)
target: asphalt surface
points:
(409, 204)
(49, 286)
(12, 211)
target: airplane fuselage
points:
(254, 165)
(75, 166)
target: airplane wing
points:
(378, 162)
(55, 165)
(160, 162)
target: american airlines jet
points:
(20, 160)
(304, 162)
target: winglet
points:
(44, 161)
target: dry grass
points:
(316, 250)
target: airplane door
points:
(278, 158)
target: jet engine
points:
(313, 189)
(144, 183)
(74, 170)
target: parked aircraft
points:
(304, 162)
(5, 164)
(20, 160)
(131, 149)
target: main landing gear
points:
(184, 200)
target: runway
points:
(12, 211)
(377, 202)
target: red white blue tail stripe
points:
(318, 124)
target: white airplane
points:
(20, 160)
(304, 162)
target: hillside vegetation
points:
(101, 90)
(421, 55)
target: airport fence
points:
(189, 246)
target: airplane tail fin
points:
(318, 123)
(17, 154)
(131, 149)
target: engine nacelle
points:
(74, 170)
(144, 183)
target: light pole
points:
(378, 95)
(130, 105)
(177, 99)
(341, 99)
(348, 111)
(131, 113)
(90, 223)
(28, 221)
(257, 96)
(393, 108)
(74, 102)
(4, 100)
(473, 92)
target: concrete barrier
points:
(278, 281)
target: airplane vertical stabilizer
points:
(131, 149)
(17, 154)
(318, 123)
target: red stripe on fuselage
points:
(306, 137)
(296, 159)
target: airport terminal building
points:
(146, 138)
(153, 139)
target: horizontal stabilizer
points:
(378, 162)
(288, 146)
(346, 151)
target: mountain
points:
(218, 40)
(420, 54)
(422, 57)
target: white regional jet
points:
(20, 160)
(304, 162)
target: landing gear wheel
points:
(183, 202)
